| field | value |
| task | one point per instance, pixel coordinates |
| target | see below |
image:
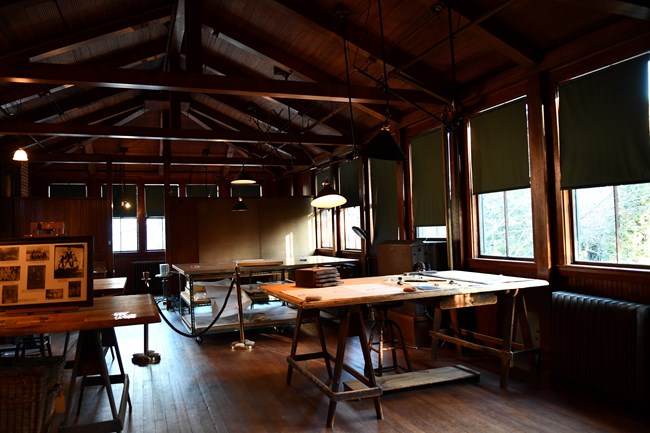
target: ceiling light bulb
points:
(20, 155)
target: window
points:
(125, 234)
(606, 170)
(244, 190)
(612, 224)
(125, 221)
(501, 181)
(325, 217)
(428, 185)
(505, 219)
(431, 232)
(154, 196)
(67, 190)
(350, 212)
(155, 233)
(350, 217)
(201, 190)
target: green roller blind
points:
(603, 123)
(349, 175)
(154, 196)
(68, 190)
(201, 190)
(383, 186)
(500, 149)
(245, 190)
(125, 192)
(428, 174)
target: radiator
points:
(602, 345)
(151, 266)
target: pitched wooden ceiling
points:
(263, 82)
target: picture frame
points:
(46, 273)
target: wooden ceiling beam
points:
(117, 59)
(639, 9)
(56, 107)
(196, 83)
(219, 118)
(96, 158)
(498, 34)
(71, 40)
(128, 132)
(417, 74)
(261, 47)
(314, 111)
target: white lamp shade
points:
(243, 178)
(20, 155)
(328, 197)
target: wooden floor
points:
(209, 387)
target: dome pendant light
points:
(328, 197)
(20, 155)
(243, 178)
(240, 206)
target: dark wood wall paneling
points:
(82, 217)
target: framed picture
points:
(44, 272)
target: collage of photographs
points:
(43, 273)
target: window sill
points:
(635, 275)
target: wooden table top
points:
(109, 286)
(355, 291)
(106, 312)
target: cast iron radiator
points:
(151, 266)
(602, 345)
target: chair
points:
(388, 336)
(40, 341)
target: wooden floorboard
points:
(208, 387)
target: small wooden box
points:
(321, 276)
(414, 329)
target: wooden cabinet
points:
(396, 257)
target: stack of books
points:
(317, 277)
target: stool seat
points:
(386, 334)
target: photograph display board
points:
(45, 272)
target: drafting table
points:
(447, 290)
(105, 314)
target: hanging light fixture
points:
(243, 178)
(240, 205)
(383, 145)
(125, 203)
(328, 197)
(20, 155)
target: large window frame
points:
(495, 235)
(617, 234)
(154, 218)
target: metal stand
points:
(243, 343)
(147, 356)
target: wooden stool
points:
(385, 330)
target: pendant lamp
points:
(20, 155)
(243, 178)
(240, 206)
(383, 145)
(328, 197)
